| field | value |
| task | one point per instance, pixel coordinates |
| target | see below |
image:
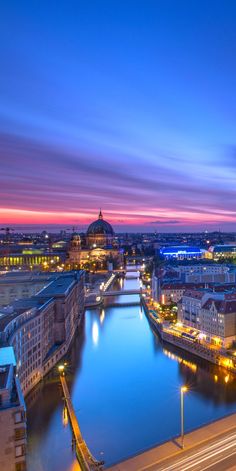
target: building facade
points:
(41, 328)
(182, 252)
(100, 251)
(221, 252)
(12, 416)
(30, 260)
(212, 314)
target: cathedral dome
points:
(100, 227)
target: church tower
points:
(74, 252)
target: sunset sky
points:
(127, 105)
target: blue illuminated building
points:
(182, 252)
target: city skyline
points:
(130, 109)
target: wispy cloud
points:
(167, 222)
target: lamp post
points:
(61, 369)
(183, 390)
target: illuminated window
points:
(18, 417)
(19, 451)
(21, 466)
(20, 433)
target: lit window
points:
(18, 417)
(19, 451)
(20, 433)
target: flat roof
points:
(58, 286)
(7, 356)
(22, 305)
(223, 248)
(26, 277)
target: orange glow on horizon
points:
(132, 217)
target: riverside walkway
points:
(86, 460)
(211, 447)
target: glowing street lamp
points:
(183, 390)
(61, 369)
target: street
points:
(219, 455)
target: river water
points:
(125, 388)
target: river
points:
(125, 388)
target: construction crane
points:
(73, 229)
(8, 231)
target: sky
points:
(126, 105)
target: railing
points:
(86, 460)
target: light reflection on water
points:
(125, 392)
(95, 332)
(65, 418)
(102, 316)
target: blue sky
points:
(129, 106)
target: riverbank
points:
(206, 353)
(124, 388)
(172, 448)
(93, 297)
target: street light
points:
(61, 369)
(183, 390)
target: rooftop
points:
(26, 277)
(223, 306)
(7, 356)
(223, 248)
(197, 294)
(59, 286)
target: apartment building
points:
(218, 320)
(212, 313)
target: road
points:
(218, 455)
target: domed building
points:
(100, 233)
(100, 251)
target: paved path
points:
(211, 448)
(86, 460)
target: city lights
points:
(118, 235)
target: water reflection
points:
(130, 383)
(121, 283)
(65, 418)
(102, 316)
(95, 333)
(174, 357)
(214, 383)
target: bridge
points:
(122, 292)
(125, 304)
(86, 460)
(132, 277)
